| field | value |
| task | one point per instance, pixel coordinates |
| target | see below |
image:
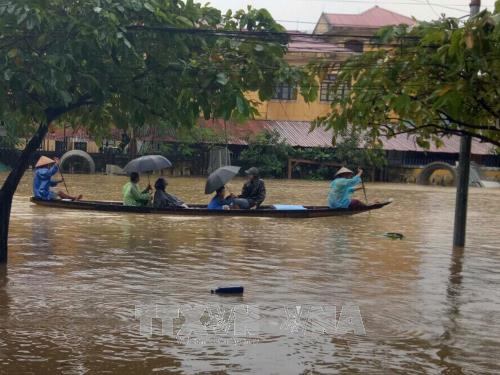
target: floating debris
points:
(394, 235)
(228, 290)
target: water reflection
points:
(67, 304)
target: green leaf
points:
(12, 53)
(127, 42)
(7, 74)
(222, 78)
(66, 97)
(184, 20)
(241, 105)
(22, 17)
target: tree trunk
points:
(10, 185)
(5, 205)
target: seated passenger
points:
(45, 168)
(253, 192)
(342, 188)
(220, 201)
(162, 199)
(132, 196)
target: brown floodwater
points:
(68, 295)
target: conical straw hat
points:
(343, 170)
(44, 161)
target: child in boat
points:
(45, 168)
(220, 201)
(132, 196)
(342, 188)
(162, 199)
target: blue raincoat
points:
(42, 183)
(217, 204)
(341, 190)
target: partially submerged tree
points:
(126, 63)
(436, 78)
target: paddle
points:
(62, 176)
(363, 186)
(364, 190)
(64, 182)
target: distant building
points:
(355, 27)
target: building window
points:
(60, 146)
(285, 91)
(354, 45)
(80, 146)
(327, 94)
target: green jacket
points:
(132, 196)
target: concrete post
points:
(459, 229)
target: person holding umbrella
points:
(45, 168)
(132, 195)
(216, 182)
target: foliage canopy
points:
(439, 78)
(131, 62)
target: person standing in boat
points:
(220, 201)
(162, 199)
(343, 187)
(253, 192)
(132, 196)
(45, 168)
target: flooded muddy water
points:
(73, 280)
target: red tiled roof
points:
(374, 17)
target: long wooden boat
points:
(201, 210)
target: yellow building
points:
(336, 37)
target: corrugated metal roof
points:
(451, 144)
(374, 17)
(294, 133)
(305, 44)
(238, 134)
(298, 134)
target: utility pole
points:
(463, 172)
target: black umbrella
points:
(220, 177)
(148, 163)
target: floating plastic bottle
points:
(228, 290)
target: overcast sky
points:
(302, 14)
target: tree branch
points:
(53, 113)
(442, 130)
(471, 126)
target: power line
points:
(448, 6)
(379, 2)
